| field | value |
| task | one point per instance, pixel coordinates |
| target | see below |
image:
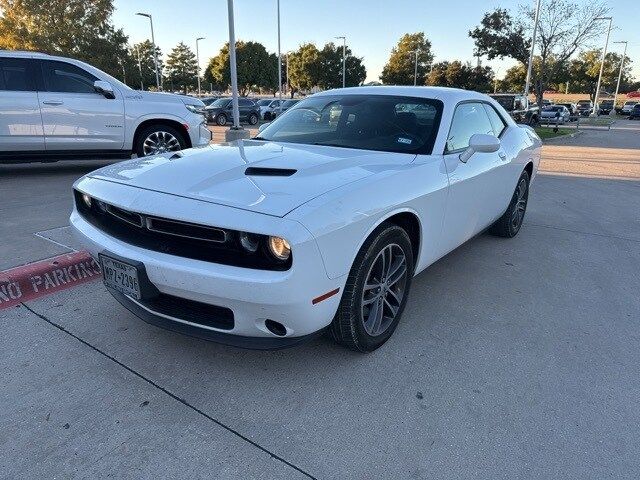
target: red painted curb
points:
(46, 277)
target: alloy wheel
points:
(160, 142)
(520, 206)
(384, 289)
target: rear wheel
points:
(376, 290)
(156, 139)
(221, 119)
(509, 224)
(253, 119)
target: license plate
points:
(120, 276)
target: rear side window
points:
(496, 120)
(17, 75)
(243, 102)
(468, 119)
(66, 78)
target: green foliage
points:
(586, 68)
(461, 75)
(79, 29)
(499, 36)
(256, 68)
(304, 67)
(145, 69)
(181, 68)
(399, 69)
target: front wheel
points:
(253, 119)
(156, 139)
(221, 119)
(508, 225)
(376, 290)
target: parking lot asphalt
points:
(514, 358)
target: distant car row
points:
(219, 110)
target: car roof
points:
(440, 93)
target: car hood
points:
(217, 174)
(162, 97)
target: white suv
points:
(54, 107)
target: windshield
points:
(371, 122)
(584, 102)
(221, 102)
(263, 103)
(289, 103)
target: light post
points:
(624, 56)
(236, 132)
(198, 61)
(140, 67)
(279, 65)
(533, 46)
(344, 60)
(415, 67)
(153, 42)
(604, 54)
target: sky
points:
(372, 27)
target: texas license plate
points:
(120, 276)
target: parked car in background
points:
(555, 114)
(635, 112)
(546, 102)
(286, 105)
(633, 94)
(268, 108)
(572, 107)
(628, 106)
(316, 224)
(518, 107)
(55, 107)
(209, 100)
(220, 111)
(584, 108)
(605, 108)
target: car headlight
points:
(279, 248)
(195, 108)
(87, 200)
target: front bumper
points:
(253, 296)
(200, 135)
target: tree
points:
(182, 67)
(304, 67)
(586, 68)
(564, 27)
(461, 75)
(399, 70)
(256, 68)
(79, 29)
(146, 66)
(330, 68)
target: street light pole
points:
(198, 61)
(624, 56)
(279, 65)
(344, 60)
(415, 67)
(604, 54)
(533, 46)
(236, 132)
(153, 42)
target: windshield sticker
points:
(406, 141)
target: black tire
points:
(267, 116)
(221, 119)
(348, 326)
(508, 225)
(143, 135)
(253, 119)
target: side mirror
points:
(104, 88)
(482, 143)
(263, 126)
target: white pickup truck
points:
(59, 108)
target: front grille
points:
(191, 311)
(175, 237)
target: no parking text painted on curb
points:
(38, 279)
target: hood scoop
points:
(269, 172)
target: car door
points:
(20, 120)
(74, 115)
(477, 188)
(245, 108)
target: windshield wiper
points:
(259, 138)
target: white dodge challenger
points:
(320, 222)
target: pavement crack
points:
(169, 393)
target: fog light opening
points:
(276, 328)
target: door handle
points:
(52, 102)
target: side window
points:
(468, 119)
(66, 78)
(496, 120)
(17, 75)
(243, 102)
